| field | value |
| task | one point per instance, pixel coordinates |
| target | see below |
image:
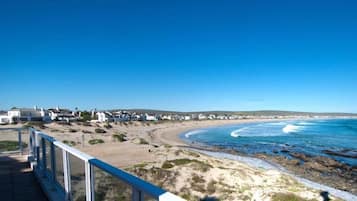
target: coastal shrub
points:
(167, 165)
(100, 130)
(193, 154)
(211, 188)
(86, 131)
(181, 161)
(95, 141)
(287, 196)
(71, 130)
(198, 187)
(108, 126)
(8, 145)
(69, 143)
(168, 146)
(121, 137)
(197, 179)
(143, 141)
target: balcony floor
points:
(17, 181)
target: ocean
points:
(333, 138)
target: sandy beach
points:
(154, 151)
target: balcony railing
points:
(66, 173)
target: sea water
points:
(312, 137)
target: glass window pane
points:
(77, 178)
(108, 187)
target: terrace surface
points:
(17, 180)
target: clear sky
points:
(179, 55)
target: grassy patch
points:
(211, 187)
(86, 131)
(287, 196)
(100, 130)
(121, 137)
(167, 165)
(69, 143)
(108, 126)
(167, 146)
(31, 124)
(143, 141)
(198, 165)
(140, 165)
(8, 145)
(197, 179)
(95, 141)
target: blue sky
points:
(179, 55)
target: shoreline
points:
(172, 137)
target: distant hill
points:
(247, 113)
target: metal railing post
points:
(20, 141)
(53, 163)
(37, 150)
(44, 160)
(136, 195)
(67, 175)
(89, 181)
(30, 143)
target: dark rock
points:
(344, 153)
(300, 156)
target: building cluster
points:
(58, 114)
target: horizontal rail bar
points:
(17, 129)
(73, 151)
(46, 137)
(132, 180)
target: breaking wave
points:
(188, 134)
(290, 128)
(235, 133)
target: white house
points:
(202, 117)
(4, 119)
(61, 114)
(28, 114)
(187, 118)
(166, 117)
(105, 116)
(149, 117)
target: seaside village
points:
(16, 115)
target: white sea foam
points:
(235, 133)
(277, 123)
(290, 128)
(306, 123)
(188, 134)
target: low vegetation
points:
(108, 126)
(198, 165)
(69, 143)
(143, 141)
(31, 124)
(86, 131)
(120, 137)
(8, 145)
(287, 196)
(95, 141)
(100, 130)
(71, 130)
